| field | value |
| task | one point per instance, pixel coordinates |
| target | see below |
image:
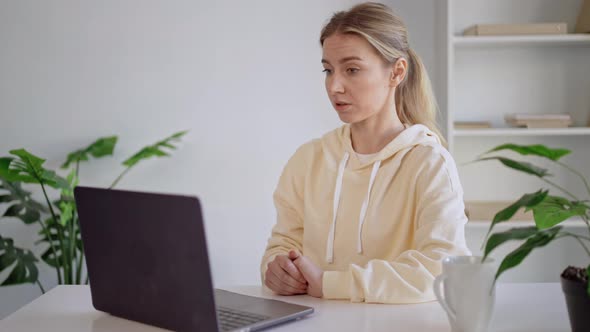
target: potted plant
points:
(59, 233)
(548, 212)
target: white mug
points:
(469, 292)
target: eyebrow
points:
(343, 60)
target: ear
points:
(399, 70)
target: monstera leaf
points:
(20, 262)
(155, 150)
(23, 207)
(28, 168)
(102, 147)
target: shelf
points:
(485, 224)
(571, 131)
(540, 40)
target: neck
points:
(373, 134)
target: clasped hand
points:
(294, 274)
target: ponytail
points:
(414, 99)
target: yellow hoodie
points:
(379, 229)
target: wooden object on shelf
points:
(539, 120)
(472, 124)
(486, 210)
(583, 23)
(516, 29)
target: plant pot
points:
(578, 304)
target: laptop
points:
(147, 261)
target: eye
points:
(327, 71)
(352, 70)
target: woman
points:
(368, 212)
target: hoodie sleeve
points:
(287, 234)
(439, 232)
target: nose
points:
(334, 84)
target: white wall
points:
(244, 77)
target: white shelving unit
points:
(486, 77)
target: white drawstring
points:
(365, 206)
(337, 190)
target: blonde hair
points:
(387, 33)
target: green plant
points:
(548, 210)
(58, 219)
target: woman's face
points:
(358, 81)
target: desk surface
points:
(519, 307)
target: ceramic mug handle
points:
(443, 302)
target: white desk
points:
(519, 307)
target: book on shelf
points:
(583, 23)
(531, 120)
(472, 124)
(516, 29)
(485, 211)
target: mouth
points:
(341, 106)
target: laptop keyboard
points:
(232, 319)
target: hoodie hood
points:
(337, 142)
(337, 147)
